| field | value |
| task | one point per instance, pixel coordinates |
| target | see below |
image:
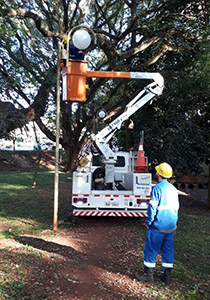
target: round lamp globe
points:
(81, 39)
(101, 114)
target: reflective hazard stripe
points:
(86, 213)
(149, 265)
(167, 265)
(121, 214)
(167, 207)
(153, 203)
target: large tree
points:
(131, 35)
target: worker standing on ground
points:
(161, 224)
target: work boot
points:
(146, 276)
(166, 276)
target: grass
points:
(192, 242)
(27, 211)
(18, 180)
(24, 210)
(192, 254)
(20, 202)
(14, 275)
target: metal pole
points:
(56, 179)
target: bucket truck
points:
(111, 184)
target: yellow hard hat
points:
(164, 170)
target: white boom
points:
(102, 138)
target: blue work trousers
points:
(159, 242)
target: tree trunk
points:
(129, 135)
(208, 201)
(13, 142)
(39, 156)
(72, 155)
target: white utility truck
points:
(110, 184)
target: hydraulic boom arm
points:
(150, 91)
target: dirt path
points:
(94, 259)
(97, 259)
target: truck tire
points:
(99, 173)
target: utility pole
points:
(56, 179)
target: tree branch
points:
(10, 80)
(140, 48)
(45, 130)
(21, 13)
(111, 27)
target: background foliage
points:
(170, 37)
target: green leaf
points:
(3, 27)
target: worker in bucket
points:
(161, 224)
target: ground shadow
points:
(50, 247)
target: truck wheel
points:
(98, 174)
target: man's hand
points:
(185, 194)
(145, 225)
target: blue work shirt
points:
(163, 207)
(75, 53)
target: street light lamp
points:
(81, 39)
